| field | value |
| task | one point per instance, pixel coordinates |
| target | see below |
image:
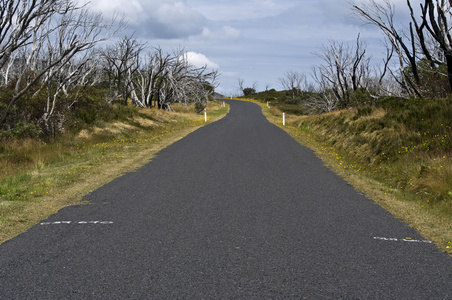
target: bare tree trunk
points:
(383, 16)
(449, 68)
(436, 16)
(76, 31)
(292, 81)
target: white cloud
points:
(231, 32)
(200, 60)
(223, 33)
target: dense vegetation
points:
(59, 66)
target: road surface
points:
(236, 210)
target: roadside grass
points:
(39, 178)
(400, 157)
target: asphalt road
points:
(236, 210)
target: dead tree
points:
(121, 61)
(435, 24)
(20, 20)
(344, 69)
(51, 35)
(382, 15)
(186, 83)
(165, 79)
(292, 81)
(152, 69)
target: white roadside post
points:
(284, 119)
(205, 114)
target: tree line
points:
(51, 51)
(417, 62)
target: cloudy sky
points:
(255, 40)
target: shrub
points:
(199, 107)
(360, 98)
(363, 112)
(292, 109)
(90, 107)
(25, 130)
(389, 103)
(248, 91)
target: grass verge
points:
(38, 179)
(404, 167)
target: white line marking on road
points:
(408, 240)
(77, 222)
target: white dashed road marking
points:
(408, 240)
(76, 222)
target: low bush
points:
(293, 109)
(89, 108)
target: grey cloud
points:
(165, 19)
(253, 43)
(162, 30)
(175, 20)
